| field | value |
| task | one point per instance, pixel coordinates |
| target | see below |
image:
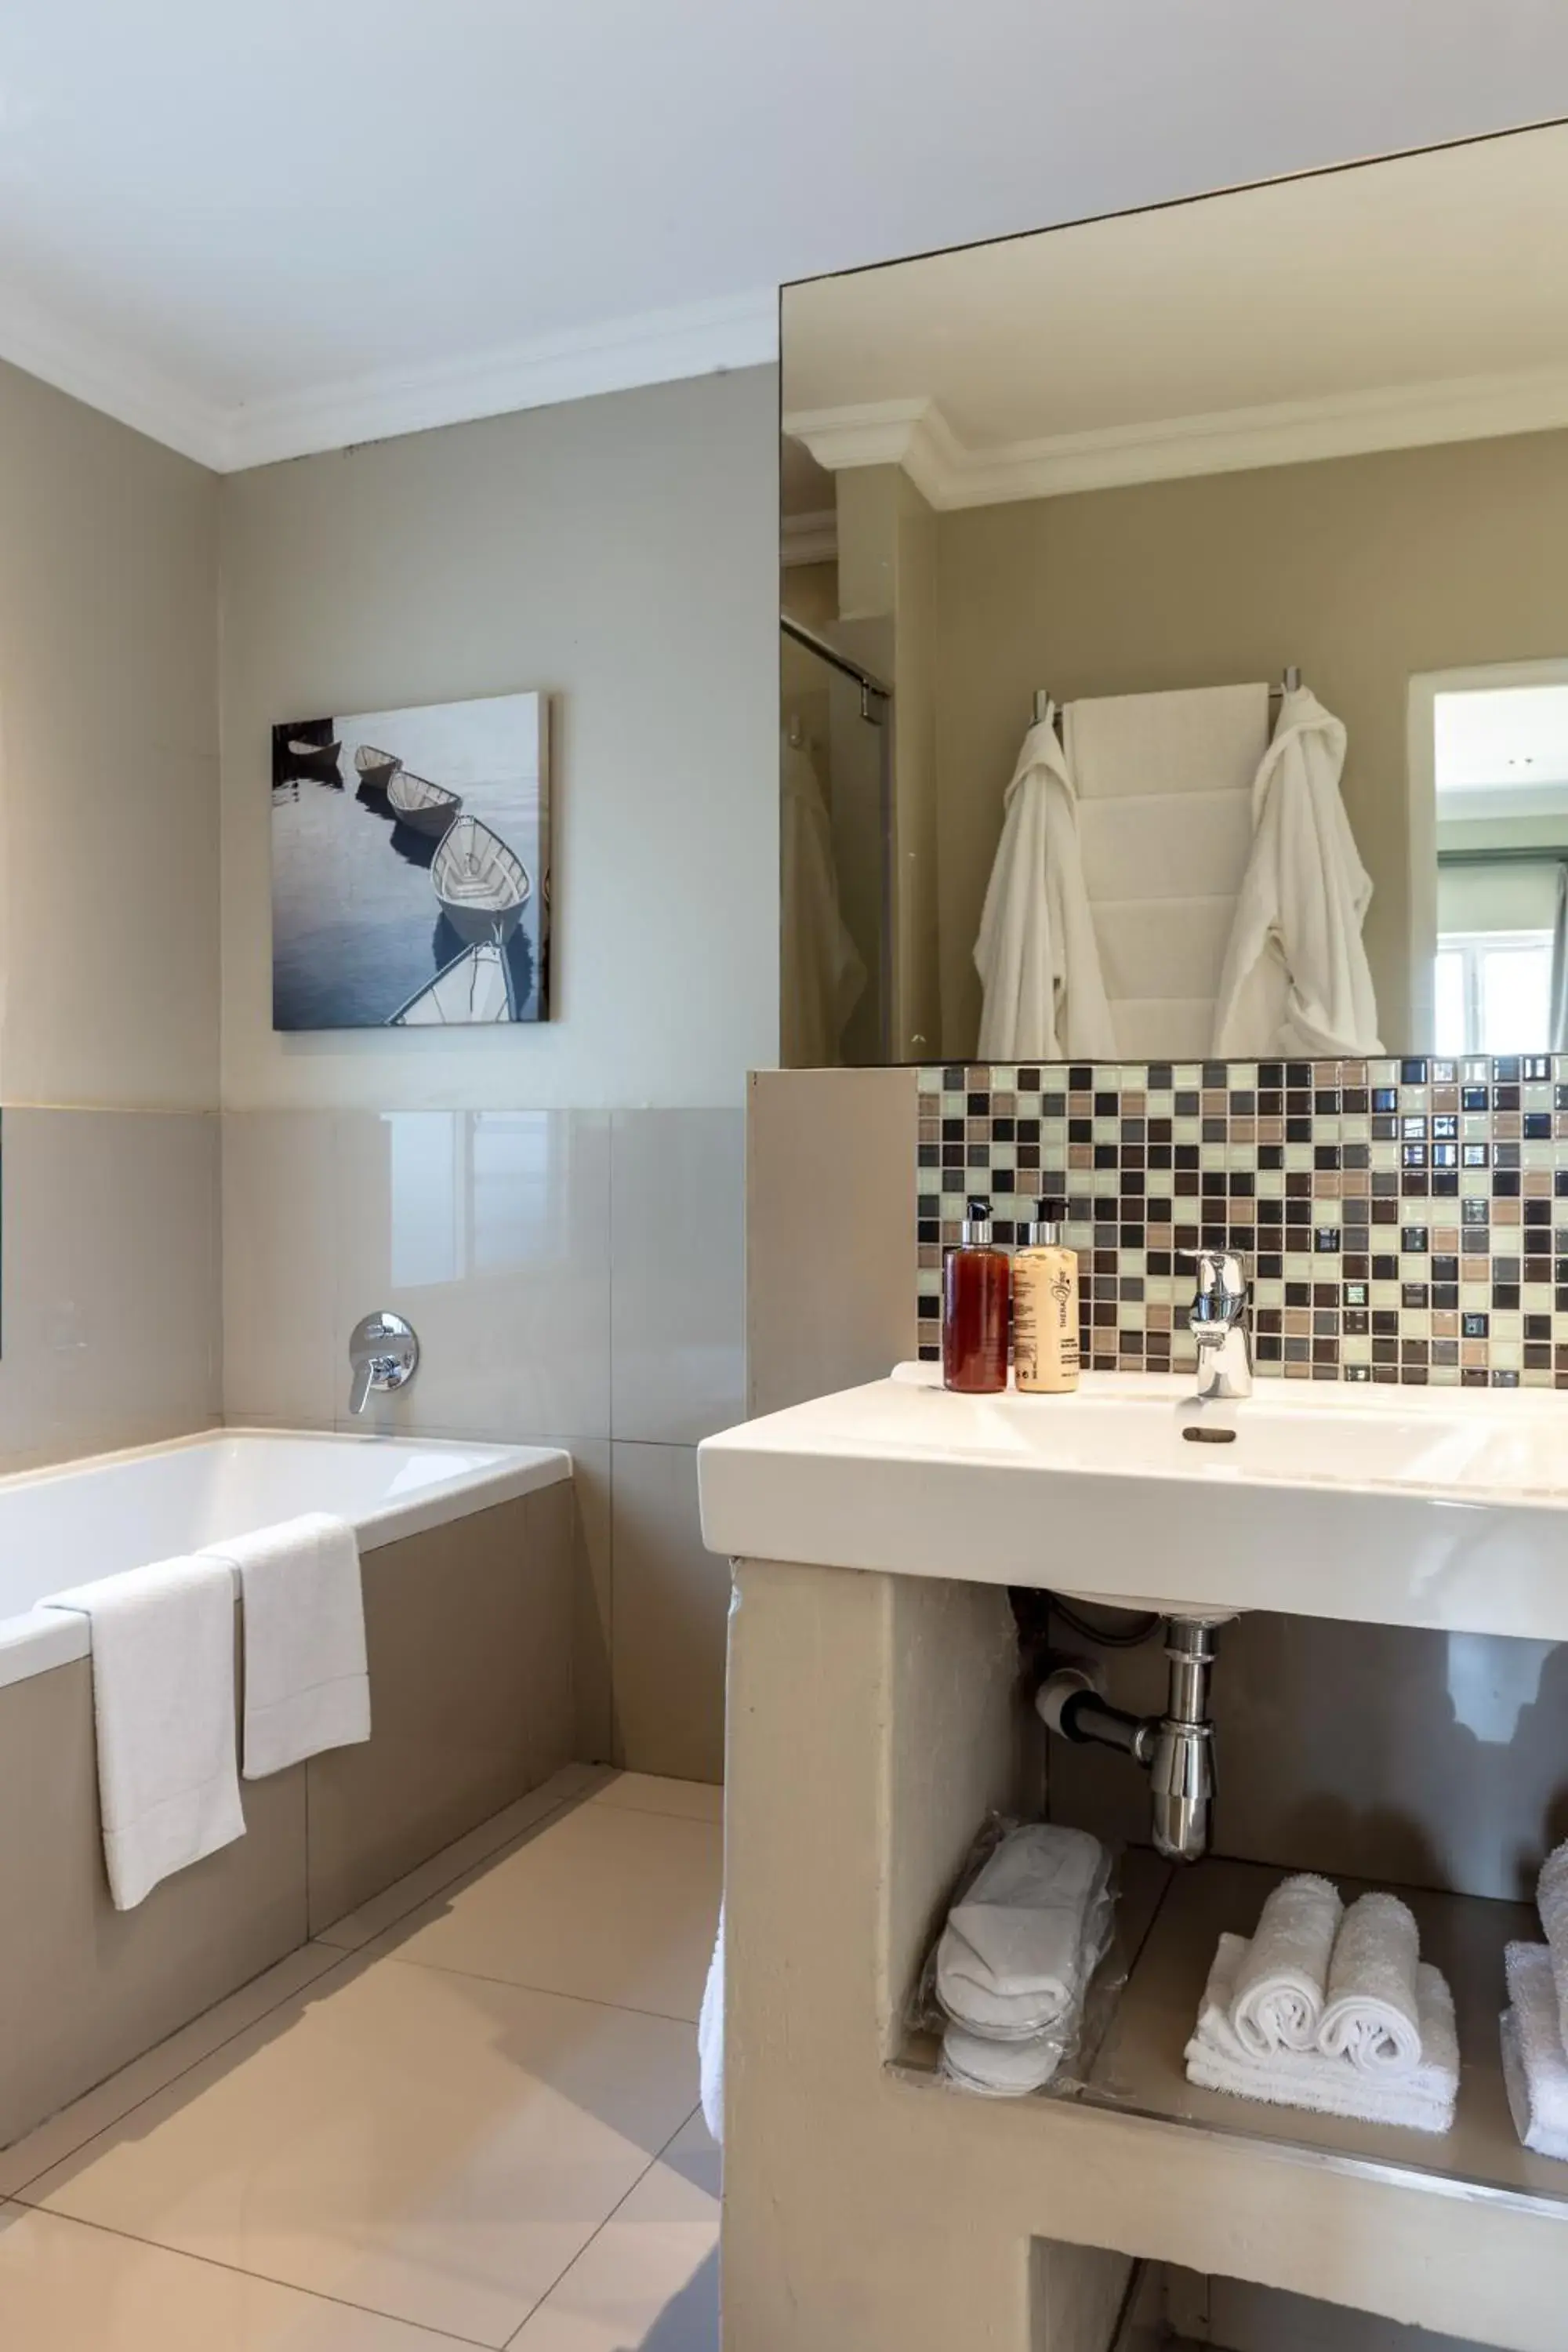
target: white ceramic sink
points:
(1397, 1505)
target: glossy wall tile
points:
(576, 1278)
(1402, 1220)
(111, 1326)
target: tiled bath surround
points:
(575, 1278)
(1402, 1220)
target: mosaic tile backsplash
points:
(1400, 1220)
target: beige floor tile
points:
(93, 2113)
(650, 2278)
(66, 2288)
(423, 2145)
(645, 1793)
(360, 1926)
(612, 1905)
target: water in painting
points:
(411, 867)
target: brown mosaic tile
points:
(1327, 1178)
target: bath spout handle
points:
(384, 1352)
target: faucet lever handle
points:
(1222, 1291)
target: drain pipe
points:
(1176, 1749)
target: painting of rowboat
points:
(411, 867)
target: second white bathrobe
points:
(1037, 953)
(1296, 977)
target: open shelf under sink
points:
(1171, 1922)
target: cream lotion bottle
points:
(1045, 1310)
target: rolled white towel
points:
(1422, 2101)
(1014, 1954)
(1373, 2016)
(1552, 1901)
(1281, 1982)
(1535, 2068)
(999, 2069)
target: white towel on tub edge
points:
(163, 1696)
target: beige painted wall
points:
(1363, 570)
(108, 840)
(622, 554)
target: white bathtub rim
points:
(39, 1638)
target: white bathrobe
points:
(1296, 977)
(1036, 954)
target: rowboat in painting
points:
(376, 769)
(428, 807)
(475, 986)
(482, 885)
(300, 750)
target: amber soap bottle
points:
(975, 1288)
(1045, 1310)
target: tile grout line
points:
(503, 1852)
(18, 2195)
(547, 1992)
(656, 2157)
(346, 1952)
(234, 2270)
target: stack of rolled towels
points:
(1016, 1959)
(1536, 2022)
(1330, 2010)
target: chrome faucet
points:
(384, 1353)
(1218, 1320)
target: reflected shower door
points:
(835, 943)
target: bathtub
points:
(68, 1526)
(476, 1594)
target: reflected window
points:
(1493, 992)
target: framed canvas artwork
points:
(411, 867)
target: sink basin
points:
(1437, 1508)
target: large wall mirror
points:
(1175, 631)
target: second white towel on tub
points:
(307, 1686)
(162, 1697)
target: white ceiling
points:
(254, 230)
(1411, 300)
(1501, 751)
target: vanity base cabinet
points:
(873, 1720)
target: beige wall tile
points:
(111, 1332)
(490, 1232)
(830, 1231)
(281, 1361)
(677, 1273)
(97, 1986)
(670, 1620)
(1425, 1758)
(591, 1603)
(468, 1632)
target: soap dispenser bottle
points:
(975, 1285)
(1045, 1310)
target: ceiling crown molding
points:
(915, 435)
(108, 379)
(655, 347)
(620, 355)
